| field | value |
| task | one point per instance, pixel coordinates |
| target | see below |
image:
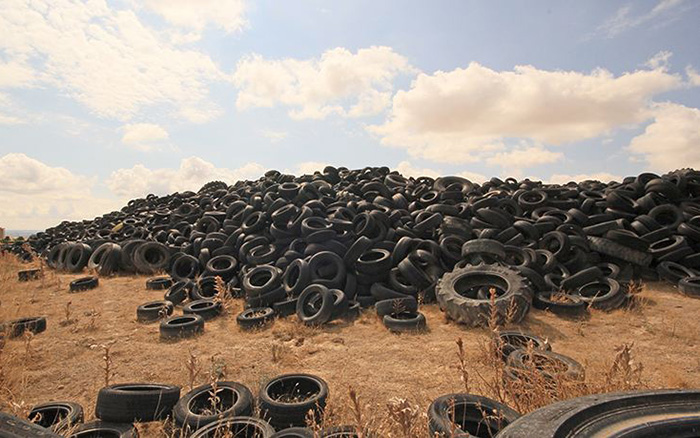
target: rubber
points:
(129, 402)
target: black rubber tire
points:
(285, 308)
(636, 414)
(473, 415)
(690, 286)
(282, 414)
(573, 308)
(154, 311)
(151, 258)
(18, 327)
(483, 250)
(179, 327)
(99, 429)
(310, 315)
(207, 309)
(396, 305)
(510, 341)
(29, 274)
(582, 277)
(674, 272)
(106, 259)
(405, 322)
(242, 427)
(612, 298)
(85, 283)
(255, 317)
(15, 427)
(513, 302)
(614, 249)
(159, 283)
(129, 402)
(185, 267)
(572, 371)
(341, 432)
(180, 291)
(294, 432)
(57, 415)
(77, 257)
(236, 400)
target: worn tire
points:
(236, 427)
(255, 317)
(190, 411)
(57, 416)
(129, 402)
(15, 427)
(475, 416)
(85, 283)
(97, 428)
(179, 327)
(405, 322)
(282, 414)
(516, 294)
(614, 249)
(690, 286)
(154, 311)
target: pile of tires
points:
(372, 235)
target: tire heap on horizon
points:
(359, 237)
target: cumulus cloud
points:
(672, 140)
(228, 15)
(274, 136)
(105, 58)
(693, 76)
(407, 169)
(663, 13)
(560, 178)
(339, 82)
(307, 168)
(524, 157)
(36, 195)
(193, 173)
(16, 73)
(472, 114)
(144, 136)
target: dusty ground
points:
(66, 362)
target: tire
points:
(223, 266)
(29, 274)
(311, 315)
(18, 327)
(281, 413)
(690, 286)
(510, 341)
(514, 300)
(605, 294)
(15, 427)
(674, 272)
(294, 432)
(106, 259)
(179, 327)
(96, 429)
(573, 307)
(236, 427)
(639, 414)
(396, 305)
(582, 277)
(159, 283)
(296, 277)
(193, 410)
(286, 307)
(567, 368)
(154, 311)
(405, 322)
(129, 402)
(341, 432)
(85, 283)
(483, 251)
(255, 317)
(185, 267)
(473, 415)
(77, 257)
(151, 258)
(614, 249)
(207, 309)
(180, 291)
(57, 416)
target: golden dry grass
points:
(380, 379)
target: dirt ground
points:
(66, 362)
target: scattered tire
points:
(154, 311)
(255, 317)
(179, 327)
(243, 427)
(18, 327)
(294, 432)
(85, 283)
(552, 366)
(159, 283)
(180, 291)
(129, 402)
(194, 409)
(207, 309)
(395, 306)
(98, 429)
(510, 341)
(29, 274)
(320, 313)
(15, 427)
(58, 416)
(570, 306)
(690, 286)
(286, 400)
(405, 322)
(468, 415)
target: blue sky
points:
(101, 102)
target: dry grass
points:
(393, 377)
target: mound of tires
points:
(343, 239)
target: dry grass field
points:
(68, 361)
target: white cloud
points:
(471, 114)
(559, 178)
(307, 168)
(105, 58)
(36, 195)
(339, 82)
(663, 13)
(16, 73)
(407, 169)
(274, 136)
(693, 77)
(144, 136)
(228, 15)
(660, 60)
(672, 140)
(192, 174)
(524, 157)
